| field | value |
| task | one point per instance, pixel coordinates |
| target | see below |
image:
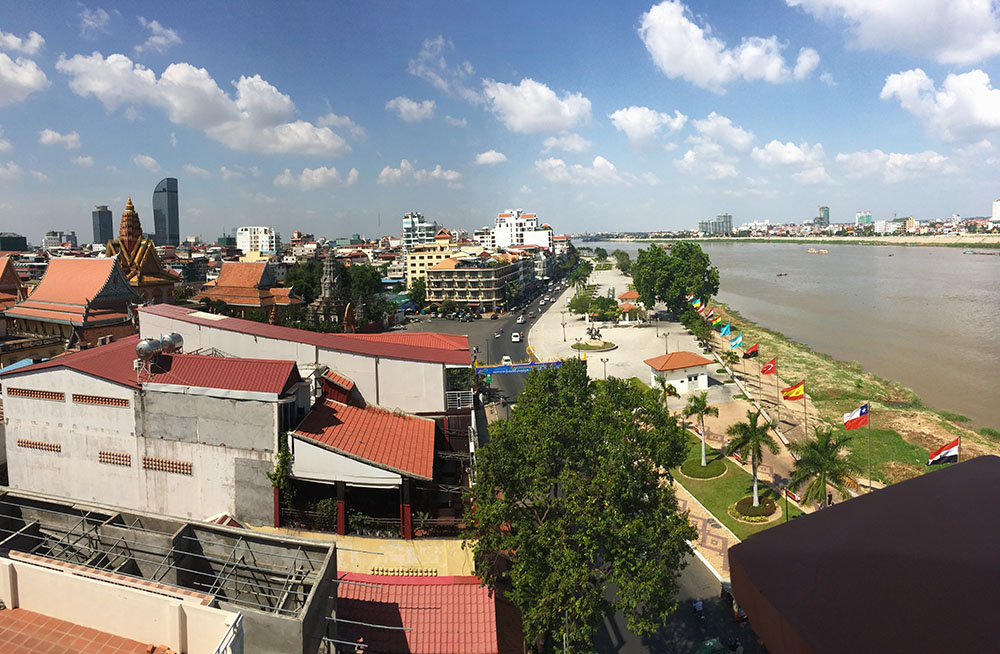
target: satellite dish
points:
(148, 348)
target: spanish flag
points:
(796, 392)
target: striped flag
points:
(751, 352)
(689, 297)
(696, 303)
(947, 454)
(701, 309)
(857, 418)
(711, 312)
(736, 342)
(796, 392)
(716, 320)
(725, 329)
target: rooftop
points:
(393, 441)
(78, 292)
(629, 295)
(27, 632)
(677, 361)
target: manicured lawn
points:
(713, 467)
(588, 347)
(887, 446)
(719, 494)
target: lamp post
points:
(666, 344)
(783, 485)
(605, 362)
(578, 339)
(564, 325)
(656, 323)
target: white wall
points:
(679, 379)
(315, 463)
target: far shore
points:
(946, 240)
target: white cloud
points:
(827, 79)
(431, 65)
(965, 108)
(70, 140)
(147, 162)
(681, 48)
(173, 140)
(406, 172)
(5, 145)
(777, 153)
(642, 124)
(531, 107)
(19, 78)
(314, 178)
(813, 176)
(600, 171)
(410, 110)
(84, 162)
(9, 172)
(490, 157)
(331, 119)
(950, 32)
(721, 129)
(456, 122)
(894, 166)
(93, 22)
(160, 37)
(228, 174)
(709, 160)
(39, 176)
(258, 119)
(255, 171)
(571, 142)
(197, 171)
(257, 197)
(29, 45)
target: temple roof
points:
(248, 284)
(136, 254)
(11, 287)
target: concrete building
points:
(514, 227)
(91, 577)
(996, 210)
(823, 219)
(248, 286)
(863, 218)
(11, 242)
(257, 239)
(721, 224)
(685, 371)
(104, 228)
(486, 284)
(57, 239)
(166, 216)
(423, 257)
(416, 230)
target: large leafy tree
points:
(304, 278)
(821, 461)
(573, 510)
(580, 303)
(418, 291)
(749, 441)
(669, 278)
(622, 261)
(697, 405)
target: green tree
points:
(581, 274)
(606, 308)
(304, 278)
(364, 283)
(697, 405)
(669, 278)
(601, 255)
(575, 512)
(418, 292)
(580, 303)
(664, 391)
(821, 461)
(622, 261)
(749, 441)
(730, 359)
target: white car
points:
(506, 361)
(541, 303)
(520, 319)
(515, 337)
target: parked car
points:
(520, 319)
(515, 337)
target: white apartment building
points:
(996, 210)
(257, 239)
(514, 227)
(416, 230)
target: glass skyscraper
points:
(103, 224)
(166, 220)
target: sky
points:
(336, 118)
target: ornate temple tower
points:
(325, 307)
(130, 232)
(138, 260)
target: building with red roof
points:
(685, 371)
(437, 615)
(248, 285)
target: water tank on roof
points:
(172, 342)
(148, 348)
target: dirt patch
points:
(896, 471)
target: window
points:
(692, 378)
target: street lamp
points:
(656, 323)
(564, 325)
(605, 362)
(666, 344)
(783, 485)
(578, 339)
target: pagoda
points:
(138, 259)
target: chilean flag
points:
(947, 454)
(857, 418)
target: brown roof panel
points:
(677, 361)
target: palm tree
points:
(697, 405)
(665, 391)
(823, 461)
(730, 359)
(749, 441)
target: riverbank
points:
(970, 241)
(903, 430)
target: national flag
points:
(689, 297)
(716, 320)
(770, 368)
(752, 352)
(857, 418)
(711, 312)
(725, 330)
(696, 303)
(947, 454)
(736, 342)
(796, 392)
(701, 309)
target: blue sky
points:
(339, 117)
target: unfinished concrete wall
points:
(254, 493)
(244, 424)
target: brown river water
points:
(926, 317)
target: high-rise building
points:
(257, 239)
(823, 219)
(722, 224)
(166, 217)
(416, 230)
(103, 224)
(11, 242)
(56, 239)
(996, 210)
(863, 218)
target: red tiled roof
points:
(70, 293)
(339, 380)
(73, 281)
(629, 295)
(418, 339)
(627, 306)
(114, 362)
(27, 632)
(423, 346)
(677, 361)
(444, 615)
(242, 273)
(394, 441)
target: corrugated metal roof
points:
(443, 615)
(395, 441)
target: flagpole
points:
(777, 395)
(805, 410)
(869, 445)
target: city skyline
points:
(341, 119)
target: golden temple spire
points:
(130, 231)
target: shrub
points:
(989, 431)
(952, 416)
(746, 509)
(714, 468)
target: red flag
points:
(751, 352)
(796, 392)
(770, 368)
(701, 309)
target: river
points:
(926, 317)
